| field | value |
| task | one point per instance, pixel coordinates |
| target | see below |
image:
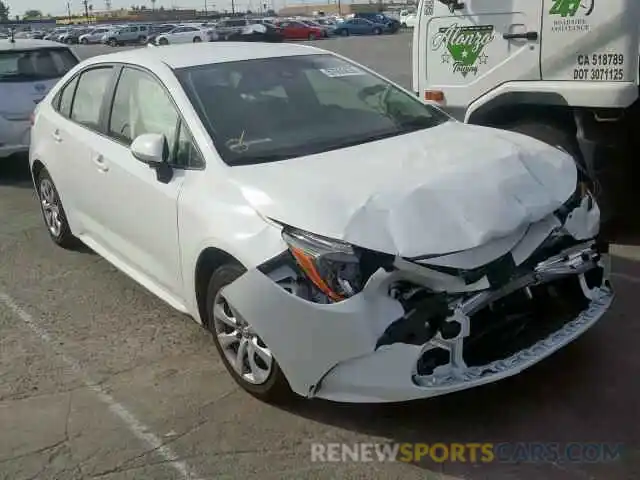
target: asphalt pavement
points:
(100, 379)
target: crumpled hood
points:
(446, 189)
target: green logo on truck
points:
(569, 8)
(464, 46)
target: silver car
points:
(94, 36)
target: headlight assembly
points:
(331, 265)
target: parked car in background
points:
(328, 23)
(392, 24)
(127, 35)
(73, 35)
(229, 26)
(410, 21)
(94, 36)
(156, 30)
(28, 70)
(258, 32)
(186, 34)
(326, 30)
(55, 34)
(404, 15)
(360, 26)
(297, 30)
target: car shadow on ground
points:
(14, 171)
(583, 393)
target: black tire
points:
(276, 388)
(344, 33)
(112, 42)
(64, 238)
(197, 40)
(142, 39)
(85, 41)
(163, 41)
(312, 36)
(377, 31)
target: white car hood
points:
(446, 189)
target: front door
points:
(139, 211)
(468, 51)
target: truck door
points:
(590, 40)
(467, 48)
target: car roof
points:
(190, 55)
(27, 44)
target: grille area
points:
(521, 319)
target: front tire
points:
(163, 41)
(247, 359)
(55, 218)
(344, 33)
(197, 40)
(377, 31)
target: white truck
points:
(563, 71)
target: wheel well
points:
(209, 261)
(561, 116)
(36, 169)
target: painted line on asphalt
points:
(628, 278)
(141, 431)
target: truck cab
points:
(562, 71)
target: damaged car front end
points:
(347, 323)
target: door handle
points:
(530, 36)
(100, 163)
(56, 136)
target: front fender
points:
(308, 339)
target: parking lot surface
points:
(100, 379)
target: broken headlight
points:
(331, 265)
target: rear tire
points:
(53, 213)
(197, 40)
(112, 42)
(85, 41)
(312, 37)
(377, 31)
(275, 388)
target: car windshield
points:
(278, 108)
(33, 65)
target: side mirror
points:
(150, 148)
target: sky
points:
(58, 7)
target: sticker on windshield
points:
(342, 71)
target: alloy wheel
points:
(50, 207)
(243, 349)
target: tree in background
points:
(4, 12)
(32, 14)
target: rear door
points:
(467, 52)
(590, 40)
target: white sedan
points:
(185, 34)
(338, 237)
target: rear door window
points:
(88, 99)
(35, 65)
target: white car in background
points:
(186, 34)
(410, 21)
(28, 70)
(339, 238)
(94, 36)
